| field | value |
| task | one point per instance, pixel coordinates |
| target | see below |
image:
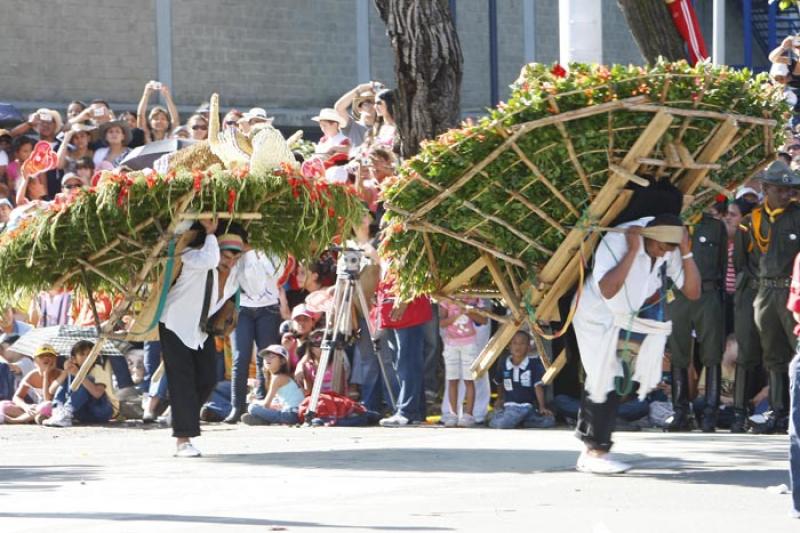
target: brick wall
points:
(290, 57)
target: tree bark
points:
(653, 30)
(428, 66)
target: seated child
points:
(520, 391)
(94, 401)
(32, 400)
(306, 371)
(284, 395)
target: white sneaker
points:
(61, 418)
(603, 464)
(466, 421)
(394, 421)
(449, 420)
(187, 450)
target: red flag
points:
(685, 19)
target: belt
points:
(710, 285)
(775, 283)
(752, 283)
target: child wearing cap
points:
(284, 395)
(94, 401)
(32, 399)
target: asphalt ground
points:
(123, 478)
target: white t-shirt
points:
(3, 158)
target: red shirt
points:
(418, 311)
(793, 304)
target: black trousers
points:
(191, 378)
(597, 421)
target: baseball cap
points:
(302, 310)
(276, 349)
(45, 349)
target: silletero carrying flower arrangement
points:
(523, 186)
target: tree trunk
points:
(653, 30)
(428, 66)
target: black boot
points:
(680, 401)
(777, 418)
(713, 375)
(741, 393)
(234, 416)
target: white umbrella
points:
(62, 338)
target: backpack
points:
(331, 405)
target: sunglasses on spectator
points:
(199, 127)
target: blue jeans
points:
(119, 366)
(272, 416)
(514, 415)
(630, 411)
(794, 424)
(259, 325)
(367, 371)
(408, 345)
(433, 353)
(7, 388)
(220, 401)
(152, 358)
(85, 407)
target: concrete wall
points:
(291, 57)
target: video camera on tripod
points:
(339, 323)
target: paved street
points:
(374, 479)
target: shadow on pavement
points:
(200, 519)
(43, 478)
(485, 461)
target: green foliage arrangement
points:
(598, 141)
(299, 216)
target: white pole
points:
(580, 31)
(718, 42)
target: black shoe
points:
(680, 402)
(234, 416)
(739, 424)
(207, 415)
(713, 378)
(774, 424)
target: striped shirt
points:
(730, 271)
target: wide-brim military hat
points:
(779, 173)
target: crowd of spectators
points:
(267, 367)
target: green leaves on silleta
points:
(299, 217)
(509, 203)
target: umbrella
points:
(9, 113)
(62, 338)
(144, 156)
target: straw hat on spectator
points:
(126, 129)
(4, 133)
(258, 114)
(54, 115)
(366, 96)
(86, 128)
(72, 177)
(330, 114)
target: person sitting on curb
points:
(94, 401)
(520, 391)
(284, 395)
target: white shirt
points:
(598, 320)
(3, 158)
(268, 269)
(185, 299)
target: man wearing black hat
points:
(773, 232)
(706, 316)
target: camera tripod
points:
(339, 327)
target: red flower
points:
(198, 180)
(151, 181)
(720, 198)
(231, 200)
(331, 212)
(558, 71)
